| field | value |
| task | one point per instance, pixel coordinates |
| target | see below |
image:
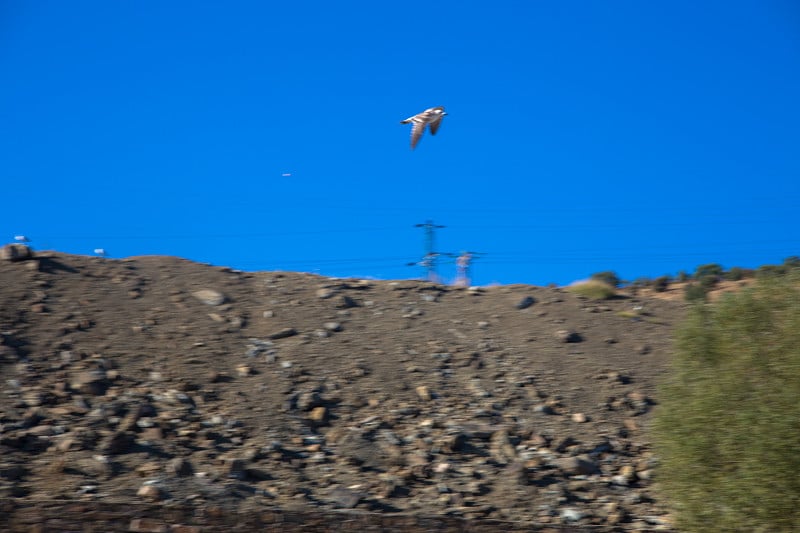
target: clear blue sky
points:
(640, 137)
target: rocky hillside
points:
(156, 384)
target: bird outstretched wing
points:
(434, 126)
(416, 132)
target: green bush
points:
(738, 273)
(708, 275)
(608, 277)
(727, 430)
(694, 292)
(792, 262)
(771, 271)
(593, 289)
(711, 269)
(661, 283)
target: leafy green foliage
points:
(790, 264)
(608, 277)
(708, 275)
(711, 269)
(792, 261)
(694, 292)
(661, 283)
(727, 428)
(738, 273)
(770, 271)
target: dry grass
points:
(593, 289)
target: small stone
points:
(345, 498)
(628, 472)
(244, 370)
(66, 444)
(283, 333)
(567, 336)
(454, 443)
(501, 449)
(118, 443)
(578, 465)
(621, 480)
(637, 396)
(257, 474)
(325, 293)
(149, 469)
(564, 444)
(33, 398)
(423, 393)
(318, 415)
(333, 326)
(441, 468)
(235, 469)
(309, 400)
(525, 302)
(345, 302)
(91, 382)
(209, 297)
(150, 492)
(152, 433)
(570, 515)
(610, 507)
(579, 418)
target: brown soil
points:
(321, 398)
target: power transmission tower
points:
(463, 264)
(429, 260)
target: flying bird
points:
(431, 117)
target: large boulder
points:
(16, 252)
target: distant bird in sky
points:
(431, 117)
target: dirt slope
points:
(163, 383)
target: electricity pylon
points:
(463, 264)
(429, 259)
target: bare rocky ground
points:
(144, 393)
